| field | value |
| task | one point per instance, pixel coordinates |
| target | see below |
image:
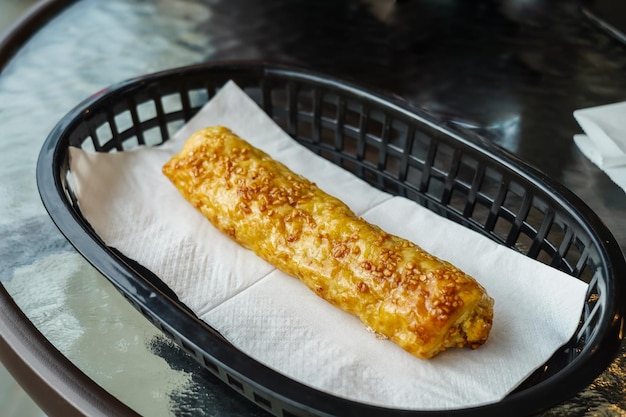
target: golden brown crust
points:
(397, 289)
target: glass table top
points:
(511, 71)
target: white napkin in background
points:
(277, 320)
(604, 141)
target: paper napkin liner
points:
(278, 321)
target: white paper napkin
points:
(604, 141)
(277, 320)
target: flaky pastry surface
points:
(395, 288)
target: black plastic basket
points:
(395, 148)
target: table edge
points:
(56, 385)
(16, 35)
(52, 380)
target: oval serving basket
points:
(400, 150)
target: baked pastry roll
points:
(395, 288)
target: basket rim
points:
(555, 389)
